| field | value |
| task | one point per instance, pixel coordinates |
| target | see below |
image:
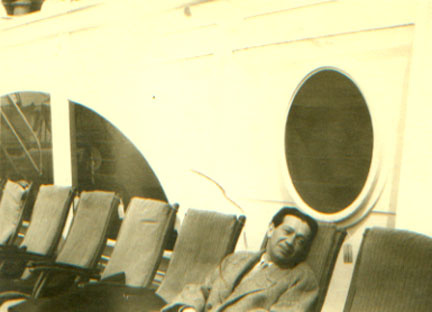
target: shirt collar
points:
(265, 260)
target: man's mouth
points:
(286, 251)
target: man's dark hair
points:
(284, 211)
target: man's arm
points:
(194, 296)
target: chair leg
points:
(39, 285)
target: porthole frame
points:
(374, 183)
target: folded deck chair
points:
(205, 238)
(12, 206)
(143, 235)
(43, 234)
(79, 254)
(322, 257)
(393, 272)
(137, 253)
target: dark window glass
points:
(328, 141)
(105, 159)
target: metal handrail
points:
(24, 118)
(11, 127)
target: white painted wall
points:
(210, 92)
(414, 212)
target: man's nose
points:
(289, 240)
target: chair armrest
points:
(11, 249)
(121, 288)
(63, 267)
(10, 295)
(12, 252)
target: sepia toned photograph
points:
(215, 155)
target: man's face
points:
(288, 241)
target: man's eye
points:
(289, 231)
(300, 241)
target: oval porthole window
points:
(328, 141)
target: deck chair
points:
(43, 234)
(78, 256)
(322, 257)
(393, 272)
(12, 204)
(196, 254)
(137, 253)
(143, 235)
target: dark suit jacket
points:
(271, 289)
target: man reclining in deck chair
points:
(275, 279)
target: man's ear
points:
(270, 230)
